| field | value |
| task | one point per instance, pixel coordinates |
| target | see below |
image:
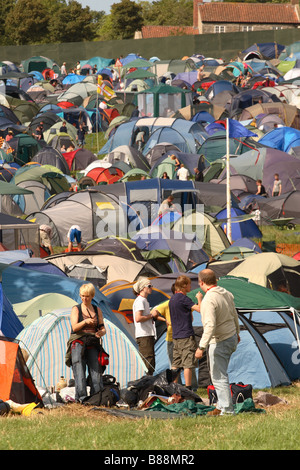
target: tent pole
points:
(97, 121)
(228, 185)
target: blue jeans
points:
(80, 362)
(219, 356)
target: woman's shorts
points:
(184, 353)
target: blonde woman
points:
(87, 329)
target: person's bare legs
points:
(187, 373)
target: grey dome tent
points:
(51, 156)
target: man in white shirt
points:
(145, 330)
(167, 205)
(183, 173)
(220, 335)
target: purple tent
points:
(263, 163)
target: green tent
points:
(134, 174)
(39, 63)
(11, 189)
(248, 295)
(39, 306)
(52, 178)
(163, 100)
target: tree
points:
(126, 19)
(5, 9)
(168, 12)
(27, 23)
(73, 23)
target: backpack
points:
(108, 396)
(239, 393)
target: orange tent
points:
(16, 382)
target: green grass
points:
(94, 142)
(83, 428)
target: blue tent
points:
(203, 117)
(20, 285)
(282, 138)
(266, 50)
(239, 228)
(219, 86)
(101, 62)
(184, 134)
(10, 325)
(72, 78)
(266, 354)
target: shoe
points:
(214, 412)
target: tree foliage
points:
(168, 12)
(27, 22)
(126, 18)
(43, 21)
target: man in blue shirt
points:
(181, 307)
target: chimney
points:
(195, 12)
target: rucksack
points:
(239, 393)
(108, 396)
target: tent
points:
(263, 163)
(187, 247)
(39, 306)
(117, 246)
(274, 268)
(25, 147)
(21, 286)
(98, 214)
(187, 133)
(266, 50)
(269, 325)
(129, 155)
(18, 233)
(51, 156)
(101, 268)
(135, 174)
(39, 64)
(46, 341)
(16, 382)
(241, 226)
(288, 113)
(282, 138)
(105, 175)
(120, 296)
(208, 232)
(214, 147)
(10, 324)
(162, 100)
(79, 159)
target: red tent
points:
(105, 175)
(79, 159)
(65, 104)
(16, 382)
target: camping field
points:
(76, 427)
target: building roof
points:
(248, 13)
(165, 31)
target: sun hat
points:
(140, 284)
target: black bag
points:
(239, 393)
(108, 396)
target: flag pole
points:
(228, 185)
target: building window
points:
(219, 29)
(247, 28)
(276, 27)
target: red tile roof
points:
(248, 13)
(165, 31)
